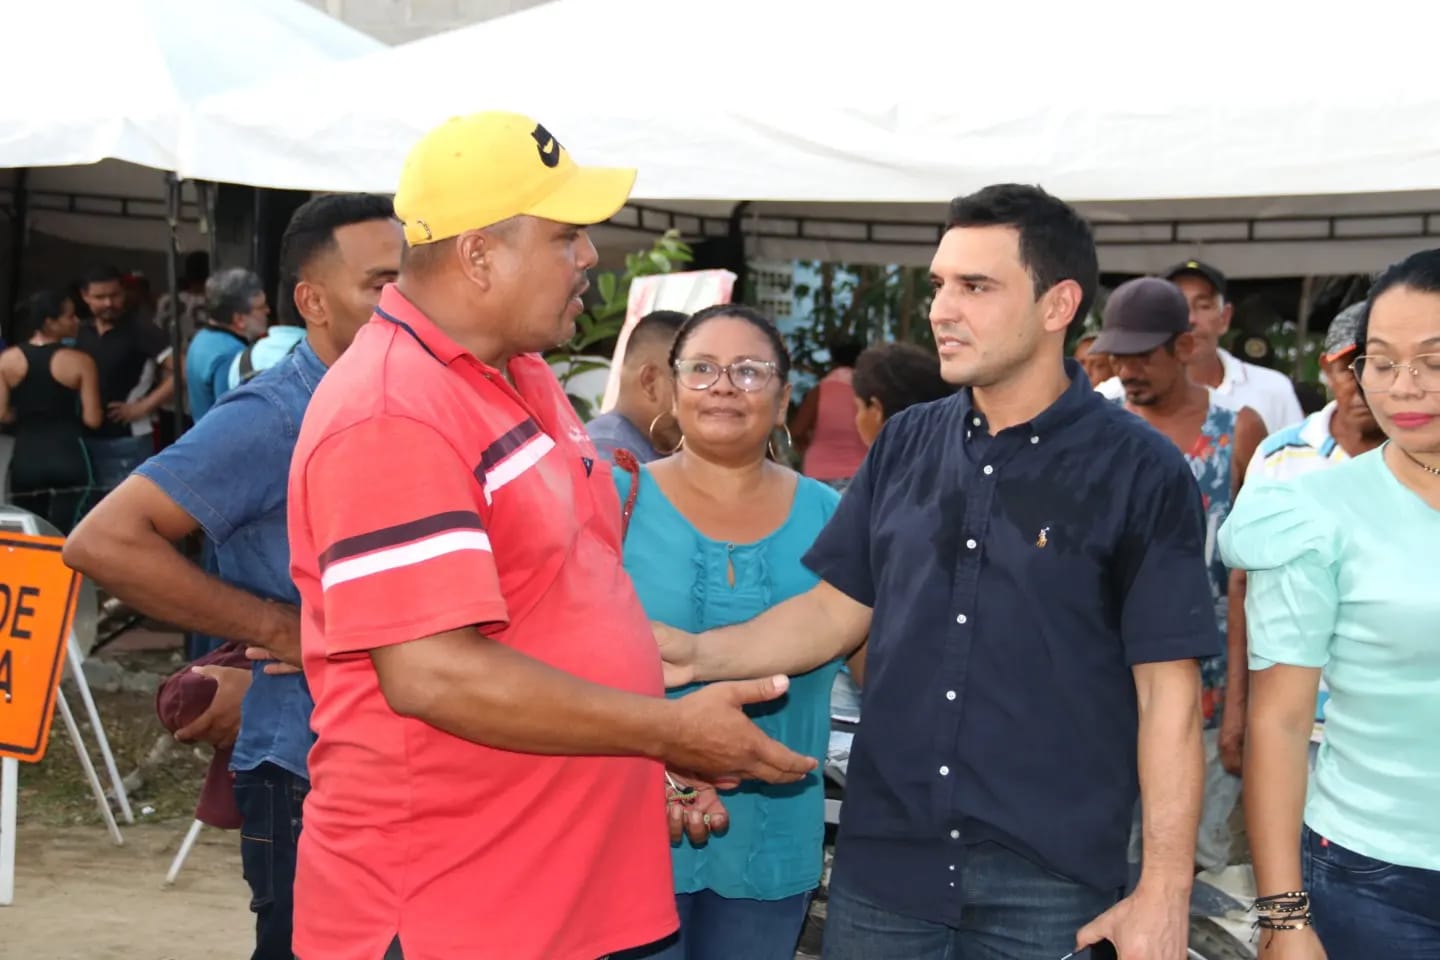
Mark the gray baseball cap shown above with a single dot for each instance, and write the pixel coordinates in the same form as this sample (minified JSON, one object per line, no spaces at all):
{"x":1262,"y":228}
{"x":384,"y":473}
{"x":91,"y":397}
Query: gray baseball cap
{"x":1344,"y":331}
{"x":1140,"y":315}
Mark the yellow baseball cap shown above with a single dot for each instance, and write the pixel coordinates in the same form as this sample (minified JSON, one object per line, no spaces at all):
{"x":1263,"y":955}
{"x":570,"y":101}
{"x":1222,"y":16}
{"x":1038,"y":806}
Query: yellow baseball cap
{"x":471,"y":172}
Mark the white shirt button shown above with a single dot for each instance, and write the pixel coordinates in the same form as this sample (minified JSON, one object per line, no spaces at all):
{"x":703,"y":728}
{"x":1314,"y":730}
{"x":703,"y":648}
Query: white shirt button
{"x":952,"y":883}
{"x":949,"y":694}
{"x":944,"y":771}
{"x":970,"y":544}
{"x":989,"y":470}
{"x":1034,"y":439}
{"x":954,"y":834}
{"x":952,"y":866}
{"x":961,"y":619}
{"x":975,"y":421}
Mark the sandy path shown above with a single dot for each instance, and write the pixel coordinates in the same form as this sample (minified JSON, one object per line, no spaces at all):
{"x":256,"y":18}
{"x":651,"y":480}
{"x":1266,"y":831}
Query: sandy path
{"x":79,"y":897}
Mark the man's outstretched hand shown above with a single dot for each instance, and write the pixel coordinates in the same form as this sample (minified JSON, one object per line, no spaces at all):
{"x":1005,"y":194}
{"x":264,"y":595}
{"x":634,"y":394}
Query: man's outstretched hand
{"x":712,"y":737}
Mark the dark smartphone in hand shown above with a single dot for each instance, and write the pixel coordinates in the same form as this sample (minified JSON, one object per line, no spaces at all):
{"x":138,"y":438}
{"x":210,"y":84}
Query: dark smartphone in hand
{"x":1103,"y":950}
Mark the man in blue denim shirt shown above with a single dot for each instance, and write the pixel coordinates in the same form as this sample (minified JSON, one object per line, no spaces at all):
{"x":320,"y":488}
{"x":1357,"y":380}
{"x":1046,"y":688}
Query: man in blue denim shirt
{"x":228,"y":476}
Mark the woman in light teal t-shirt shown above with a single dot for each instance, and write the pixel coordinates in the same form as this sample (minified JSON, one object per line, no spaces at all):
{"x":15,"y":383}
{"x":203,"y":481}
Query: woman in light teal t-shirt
{"x":716,"y":537}
{"x":1344,"y":579}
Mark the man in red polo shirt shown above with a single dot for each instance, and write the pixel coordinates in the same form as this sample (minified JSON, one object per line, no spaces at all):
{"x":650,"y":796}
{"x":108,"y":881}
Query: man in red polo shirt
{"x":488,"y":696}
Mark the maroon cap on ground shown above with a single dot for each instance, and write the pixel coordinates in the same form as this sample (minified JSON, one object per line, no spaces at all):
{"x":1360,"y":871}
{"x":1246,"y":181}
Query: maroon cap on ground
{"x":182,"y":697}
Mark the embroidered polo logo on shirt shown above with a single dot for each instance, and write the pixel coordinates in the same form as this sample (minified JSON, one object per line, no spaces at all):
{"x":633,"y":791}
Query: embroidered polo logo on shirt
{"x":1043,"y":538}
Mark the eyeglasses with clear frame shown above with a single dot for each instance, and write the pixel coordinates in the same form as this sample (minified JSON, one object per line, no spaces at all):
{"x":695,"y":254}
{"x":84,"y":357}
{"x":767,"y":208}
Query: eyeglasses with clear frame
{"x":749,"y":376}
{"x":1379,"y":374}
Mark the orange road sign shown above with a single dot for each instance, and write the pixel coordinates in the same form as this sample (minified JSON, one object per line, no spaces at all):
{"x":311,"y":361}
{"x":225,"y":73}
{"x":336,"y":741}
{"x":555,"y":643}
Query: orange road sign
{"x":37,"y":605}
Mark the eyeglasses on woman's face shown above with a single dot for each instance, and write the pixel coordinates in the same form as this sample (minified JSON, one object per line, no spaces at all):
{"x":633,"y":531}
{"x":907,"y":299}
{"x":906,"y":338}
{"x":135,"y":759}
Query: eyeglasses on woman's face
{"x":749,"y":376}
{"x":1379,"y":374}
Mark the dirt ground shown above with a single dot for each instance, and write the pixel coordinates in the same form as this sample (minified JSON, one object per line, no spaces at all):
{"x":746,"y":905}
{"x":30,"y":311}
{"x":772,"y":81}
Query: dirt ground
{"x":80,"y":897}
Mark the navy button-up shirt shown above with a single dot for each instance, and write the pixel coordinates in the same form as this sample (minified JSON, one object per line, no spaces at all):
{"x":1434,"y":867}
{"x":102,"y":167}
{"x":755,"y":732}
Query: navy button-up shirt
{"x":1015,"y":579}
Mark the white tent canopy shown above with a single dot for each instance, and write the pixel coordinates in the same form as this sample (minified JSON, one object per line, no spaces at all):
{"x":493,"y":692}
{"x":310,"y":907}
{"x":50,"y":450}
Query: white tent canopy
{"x":88,"y":80}
{"x":96,"y":94}
{"x":1143,"y":114}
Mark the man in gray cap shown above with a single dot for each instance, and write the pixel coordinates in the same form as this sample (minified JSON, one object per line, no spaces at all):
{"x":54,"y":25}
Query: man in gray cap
{"x":1233,"y":382}
{"x":1345,"y":428}
{"x":1147,"y":332}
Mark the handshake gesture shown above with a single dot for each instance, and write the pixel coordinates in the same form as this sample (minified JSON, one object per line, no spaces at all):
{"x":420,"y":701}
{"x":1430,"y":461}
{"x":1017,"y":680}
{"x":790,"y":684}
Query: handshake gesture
{"x":715,"y":745}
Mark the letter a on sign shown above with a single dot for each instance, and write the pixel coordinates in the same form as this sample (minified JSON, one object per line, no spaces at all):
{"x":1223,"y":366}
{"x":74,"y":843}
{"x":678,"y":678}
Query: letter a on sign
{"x":37,"y":604}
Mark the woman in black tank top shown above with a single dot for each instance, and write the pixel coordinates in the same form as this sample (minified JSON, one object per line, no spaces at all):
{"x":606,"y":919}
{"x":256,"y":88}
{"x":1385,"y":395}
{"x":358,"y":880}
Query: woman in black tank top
{"x":50,"y":393}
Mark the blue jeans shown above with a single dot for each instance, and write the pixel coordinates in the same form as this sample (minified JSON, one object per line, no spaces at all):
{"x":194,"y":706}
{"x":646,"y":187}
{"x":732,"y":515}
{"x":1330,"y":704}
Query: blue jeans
{"x":112,"y":459}
{"x":713,"y":927}
{"x":1012,"y":909}
{"x":271,"y":801}
{"x":1366,"y":908}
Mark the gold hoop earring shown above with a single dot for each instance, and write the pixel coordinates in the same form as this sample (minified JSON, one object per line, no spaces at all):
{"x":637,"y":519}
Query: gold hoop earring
{"x":770,"y":444}
{"x":650,"y":435}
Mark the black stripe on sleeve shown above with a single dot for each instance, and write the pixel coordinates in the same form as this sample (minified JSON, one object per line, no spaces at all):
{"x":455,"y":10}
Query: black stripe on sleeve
{"x":509,"y":442}
{"x":400,"y":533}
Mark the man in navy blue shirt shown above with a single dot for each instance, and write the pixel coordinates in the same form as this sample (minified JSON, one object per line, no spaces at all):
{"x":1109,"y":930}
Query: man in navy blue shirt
{"x":1027,"y":561}
{"x":228,"y":476}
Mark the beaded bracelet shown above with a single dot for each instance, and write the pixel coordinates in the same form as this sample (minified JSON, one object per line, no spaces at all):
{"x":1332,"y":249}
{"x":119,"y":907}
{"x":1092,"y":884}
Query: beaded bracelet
{"x":1297,"y":901}
{"x":1293,"y":923}
{"x":1283,"y":911}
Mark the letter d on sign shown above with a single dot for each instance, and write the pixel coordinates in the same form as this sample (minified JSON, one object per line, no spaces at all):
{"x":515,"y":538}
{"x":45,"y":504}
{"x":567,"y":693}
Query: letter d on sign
{"x":37,"y":605}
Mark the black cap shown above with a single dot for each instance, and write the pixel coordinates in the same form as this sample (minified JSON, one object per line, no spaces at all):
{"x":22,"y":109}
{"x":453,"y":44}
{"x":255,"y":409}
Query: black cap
{"x":1141,"y":315}
{"x":1195,"y":268}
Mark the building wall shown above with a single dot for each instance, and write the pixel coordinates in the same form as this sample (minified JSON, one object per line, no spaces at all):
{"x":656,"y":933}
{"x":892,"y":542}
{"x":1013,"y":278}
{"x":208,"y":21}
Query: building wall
{"x":399,"y":21}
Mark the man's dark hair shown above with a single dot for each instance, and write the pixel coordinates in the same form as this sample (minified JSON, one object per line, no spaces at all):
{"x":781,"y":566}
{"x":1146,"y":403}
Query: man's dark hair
{"x":311,"y":232}
{"x":844,"y":352}
{"x":100,"y":273}
{"x":751,"y":316}
{"x":1419,"y":271}
{"x":658,"y":326}
{"x":1055,"y":241}
{"x":899,"y":375}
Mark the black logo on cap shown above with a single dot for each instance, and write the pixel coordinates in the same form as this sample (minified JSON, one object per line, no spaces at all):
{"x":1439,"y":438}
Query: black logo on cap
{"x":548,"y":145}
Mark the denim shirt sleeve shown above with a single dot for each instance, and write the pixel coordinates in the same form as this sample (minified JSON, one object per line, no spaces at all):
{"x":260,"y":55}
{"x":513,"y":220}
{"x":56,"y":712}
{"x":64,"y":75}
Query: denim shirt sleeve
{"x":243,"y":435}
{"x":841,"y":554}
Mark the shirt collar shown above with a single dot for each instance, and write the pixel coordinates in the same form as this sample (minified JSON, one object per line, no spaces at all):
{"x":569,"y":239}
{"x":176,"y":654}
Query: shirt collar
{"x":1234,"y":368}
{"x":309,"y":364}
{"x":1077,"y":398}
{"x":395,"y":308}
{"x":1315,"y":431}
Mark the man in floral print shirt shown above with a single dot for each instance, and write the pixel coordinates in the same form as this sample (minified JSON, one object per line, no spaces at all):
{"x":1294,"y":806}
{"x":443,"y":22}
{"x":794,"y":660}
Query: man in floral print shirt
{"x":1147,"y":334}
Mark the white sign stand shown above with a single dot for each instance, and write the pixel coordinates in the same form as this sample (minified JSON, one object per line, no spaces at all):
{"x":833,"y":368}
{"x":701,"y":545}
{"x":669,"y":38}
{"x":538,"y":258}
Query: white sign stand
{"x":22,"y":521}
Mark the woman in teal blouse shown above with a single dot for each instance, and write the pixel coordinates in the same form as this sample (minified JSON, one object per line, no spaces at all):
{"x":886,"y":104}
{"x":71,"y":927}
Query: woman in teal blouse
{"x":715,"y":537}
{"x":1344,"y":579}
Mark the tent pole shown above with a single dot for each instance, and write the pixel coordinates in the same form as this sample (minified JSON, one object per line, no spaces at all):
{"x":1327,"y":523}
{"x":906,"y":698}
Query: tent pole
{"x":177,"y":346}
{"x":741,"y":265}
{"x":17,"y":250}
